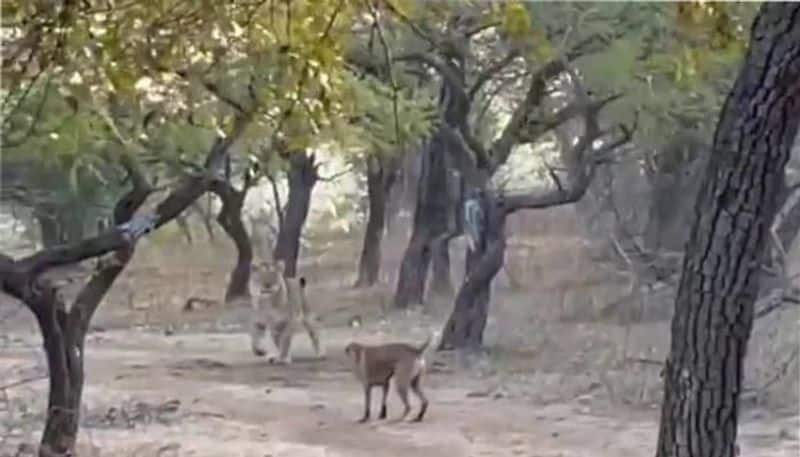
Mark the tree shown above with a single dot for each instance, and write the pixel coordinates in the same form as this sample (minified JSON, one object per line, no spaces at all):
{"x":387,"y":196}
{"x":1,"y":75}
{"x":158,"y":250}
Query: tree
{"x":230,"y":219}
{"x":302,"y":175}
{"x":63,"y":327}
{"x":735,"y":208}
{"x":481,"y":53}
{"x":485,"y":213}
{"x":457,"y":162}
{"x":394,"y":118}
{"x":381,"y":176}
{"x":617,"y":49}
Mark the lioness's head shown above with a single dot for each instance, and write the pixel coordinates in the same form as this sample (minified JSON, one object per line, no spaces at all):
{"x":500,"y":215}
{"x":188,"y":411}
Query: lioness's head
{"x":267,"y":276}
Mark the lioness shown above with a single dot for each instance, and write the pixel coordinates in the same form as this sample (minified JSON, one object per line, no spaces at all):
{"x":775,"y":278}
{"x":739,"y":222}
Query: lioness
{"x":280,"y":307}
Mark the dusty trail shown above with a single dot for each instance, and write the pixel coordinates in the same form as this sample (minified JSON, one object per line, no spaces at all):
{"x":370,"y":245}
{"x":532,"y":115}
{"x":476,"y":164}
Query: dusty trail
{"x":231,"y":404}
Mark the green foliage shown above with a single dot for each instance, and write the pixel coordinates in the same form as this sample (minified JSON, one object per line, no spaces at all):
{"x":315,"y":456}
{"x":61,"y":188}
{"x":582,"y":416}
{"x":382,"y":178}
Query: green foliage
{"x":375,"y":129}
{"x":672,"y":61}
{"x":279,"y":61}
{"x":86,"y":81}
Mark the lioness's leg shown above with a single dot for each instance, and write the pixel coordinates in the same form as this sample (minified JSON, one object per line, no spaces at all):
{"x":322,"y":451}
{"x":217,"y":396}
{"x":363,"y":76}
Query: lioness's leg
{"x":313,"y":334}
{"x":257,"y":331}
{"x":285,"y":341}
{"x":276,"y":331}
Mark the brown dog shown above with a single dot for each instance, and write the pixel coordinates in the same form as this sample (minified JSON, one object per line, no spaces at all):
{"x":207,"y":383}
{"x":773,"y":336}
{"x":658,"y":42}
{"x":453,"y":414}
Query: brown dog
{"x":376,"y":365}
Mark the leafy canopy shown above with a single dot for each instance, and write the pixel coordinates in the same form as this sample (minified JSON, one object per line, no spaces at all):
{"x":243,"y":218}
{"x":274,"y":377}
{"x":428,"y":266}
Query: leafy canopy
{"x":161,"y":78}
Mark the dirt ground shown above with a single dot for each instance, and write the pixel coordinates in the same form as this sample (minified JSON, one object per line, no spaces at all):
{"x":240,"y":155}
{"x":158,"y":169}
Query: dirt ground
{"x":165,"y":383}
{"x":205,"y":394}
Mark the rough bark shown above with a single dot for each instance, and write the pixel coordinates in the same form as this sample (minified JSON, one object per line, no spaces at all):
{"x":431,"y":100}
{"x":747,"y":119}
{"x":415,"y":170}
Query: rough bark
{"x":302,"y":176}
{"x":464,"y":328}
{"x":230,"y":219}
{"x":381,"y":176}
{"x":735,"y":207}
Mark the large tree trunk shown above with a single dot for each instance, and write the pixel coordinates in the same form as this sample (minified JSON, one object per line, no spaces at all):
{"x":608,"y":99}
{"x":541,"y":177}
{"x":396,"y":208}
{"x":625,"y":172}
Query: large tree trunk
{"x":464,"y":328}
{"x":430,"y":222}
{"x":302,"y":176}
{"x":381,"y":176}
{"x":230,"y":219}
{"x":735,"y":207}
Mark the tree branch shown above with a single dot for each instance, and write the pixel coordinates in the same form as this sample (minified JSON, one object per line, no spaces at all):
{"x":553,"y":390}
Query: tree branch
{"x":501,"y":148}
{"x":445,"y":71}
{"x":582,"y":170}
{"x":335,"y":176}
{"x":125,"y":234}
{"x":490,"y":71}
{"x":535,"y":128}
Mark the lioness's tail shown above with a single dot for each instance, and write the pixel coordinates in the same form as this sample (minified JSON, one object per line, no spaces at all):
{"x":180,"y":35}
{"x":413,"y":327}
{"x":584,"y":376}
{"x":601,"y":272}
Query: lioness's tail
{"x":426,"y":346}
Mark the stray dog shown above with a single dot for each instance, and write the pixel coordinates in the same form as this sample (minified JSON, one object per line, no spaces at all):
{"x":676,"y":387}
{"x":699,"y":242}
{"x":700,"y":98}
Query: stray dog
{"x":375,"y":365}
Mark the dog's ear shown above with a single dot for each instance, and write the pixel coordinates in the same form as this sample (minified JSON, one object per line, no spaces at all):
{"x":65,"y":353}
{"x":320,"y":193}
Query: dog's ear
{"x":302,"y":281}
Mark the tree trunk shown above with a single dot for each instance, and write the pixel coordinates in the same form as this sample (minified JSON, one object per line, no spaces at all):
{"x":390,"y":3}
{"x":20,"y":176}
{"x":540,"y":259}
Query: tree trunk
{"x":464,"y":328}
{"x":230,"y":219}
{"x":735,"y":207}
{"x":302,"y":176}
{"x":64,"y":354}
{"x":396,"y":196}
{"x":64,"y":333}
{"x":413,"y":269}
{"x":378,"y":188}
{"x":441,"y":282}
{"x":64,"y":330}
{"x":430,"y":222}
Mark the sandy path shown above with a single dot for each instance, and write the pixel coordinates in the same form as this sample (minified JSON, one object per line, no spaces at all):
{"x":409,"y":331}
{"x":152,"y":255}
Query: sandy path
{"x":232,"y":404}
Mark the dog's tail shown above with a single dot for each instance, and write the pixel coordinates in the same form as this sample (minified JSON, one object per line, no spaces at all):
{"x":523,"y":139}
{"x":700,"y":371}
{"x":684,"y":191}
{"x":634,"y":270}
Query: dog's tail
{"x":426,"y":346}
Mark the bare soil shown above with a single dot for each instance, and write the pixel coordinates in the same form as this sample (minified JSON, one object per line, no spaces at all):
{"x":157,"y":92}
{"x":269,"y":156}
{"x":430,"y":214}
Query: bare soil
{"x":205,"y":394}
{"x":161,"y":382}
